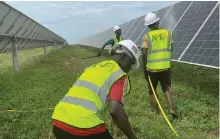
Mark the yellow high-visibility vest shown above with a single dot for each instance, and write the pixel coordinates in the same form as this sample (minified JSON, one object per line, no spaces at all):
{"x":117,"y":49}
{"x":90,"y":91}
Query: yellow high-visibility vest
{"x":159,"y":49}
{"x":83,"y":105}
{"x":116,"y":40}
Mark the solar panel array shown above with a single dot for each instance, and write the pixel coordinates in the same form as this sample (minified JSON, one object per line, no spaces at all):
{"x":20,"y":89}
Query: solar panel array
{"x":195,"y":27}
{"x":28,"y":32}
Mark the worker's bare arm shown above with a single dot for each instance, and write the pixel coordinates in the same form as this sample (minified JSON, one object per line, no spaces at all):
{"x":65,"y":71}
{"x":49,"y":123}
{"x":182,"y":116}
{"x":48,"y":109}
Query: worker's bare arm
{"x":144,"y":53}
{"x":103,"y":47}
{"x":120,"y":118}
{"x":144,"y":58}
{"x":99,"y":53}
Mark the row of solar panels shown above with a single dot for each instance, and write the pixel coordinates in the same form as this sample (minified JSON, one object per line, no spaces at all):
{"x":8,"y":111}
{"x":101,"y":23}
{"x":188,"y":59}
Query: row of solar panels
{"x":195,"y":27}
{"x":29,"y":33}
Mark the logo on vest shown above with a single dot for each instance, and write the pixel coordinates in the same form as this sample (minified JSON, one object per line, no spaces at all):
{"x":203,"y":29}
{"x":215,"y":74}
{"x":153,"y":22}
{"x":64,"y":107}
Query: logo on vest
{"x":160,"y":36}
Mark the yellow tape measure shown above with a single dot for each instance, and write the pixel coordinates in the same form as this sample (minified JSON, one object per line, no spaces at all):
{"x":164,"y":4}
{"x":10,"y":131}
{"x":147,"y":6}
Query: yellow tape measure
{"x":20,"y":111}
{"x":170,"y":125}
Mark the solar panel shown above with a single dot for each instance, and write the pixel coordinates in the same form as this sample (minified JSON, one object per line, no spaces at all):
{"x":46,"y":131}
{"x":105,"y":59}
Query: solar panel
{"x":189,"y":25}
{"x":205,"y":47}
{"x":174,"y":15}
{"x":14,"y":22}
{"x":138,"y":30}
{"x":160,"y":13}
{"x":195,"y":27}
{"x":105,"y":35}
{"x":95,"y":39}
{"x":3,"y":42}
{"x":108,"y":34}
{"x":127,"y":29}
{"x":134,"y":28}
{"x":18,"y":32}
{"x":111,"y":34}
{"x":27,"y":28}
{"x":123,"y":28}
{"x":99,"y":38}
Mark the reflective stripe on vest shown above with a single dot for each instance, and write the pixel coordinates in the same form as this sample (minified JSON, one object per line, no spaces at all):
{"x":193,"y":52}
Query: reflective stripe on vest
{"x":159,"y":60}
{"x":158,"y":56}
{"x":101,"y":92}
{"x":82,"y":102}
{"x":85,"y":109}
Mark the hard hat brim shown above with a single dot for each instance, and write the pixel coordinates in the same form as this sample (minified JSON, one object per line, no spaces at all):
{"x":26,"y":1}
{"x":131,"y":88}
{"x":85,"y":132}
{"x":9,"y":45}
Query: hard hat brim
{"x":136,"y":65}
{"x":147,"y":24}
{"x":116,"y":28}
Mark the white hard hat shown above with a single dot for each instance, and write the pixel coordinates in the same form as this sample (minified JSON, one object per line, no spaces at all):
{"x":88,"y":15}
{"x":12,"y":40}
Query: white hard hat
{"x":150,"y":18}
{"x":116,"y":28}
{"x":131,"y":47}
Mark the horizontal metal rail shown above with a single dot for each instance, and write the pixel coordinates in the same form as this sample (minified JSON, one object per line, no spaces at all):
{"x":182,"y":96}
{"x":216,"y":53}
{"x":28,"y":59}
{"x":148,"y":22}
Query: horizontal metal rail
{"x":27,"y":38}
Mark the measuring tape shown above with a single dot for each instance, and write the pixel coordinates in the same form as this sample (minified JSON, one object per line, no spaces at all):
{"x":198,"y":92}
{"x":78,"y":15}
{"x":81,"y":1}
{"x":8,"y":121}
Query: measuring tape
{"x":20,"y":111}
{"x":164,"y":115}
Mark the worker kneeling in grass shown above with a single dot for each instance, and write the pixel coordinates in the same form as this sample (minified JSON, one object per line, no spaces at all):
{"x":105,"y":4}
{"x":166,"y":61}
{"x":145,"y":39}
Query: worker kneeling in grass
{"x":78,"y":115}
{"x":157,"y":48}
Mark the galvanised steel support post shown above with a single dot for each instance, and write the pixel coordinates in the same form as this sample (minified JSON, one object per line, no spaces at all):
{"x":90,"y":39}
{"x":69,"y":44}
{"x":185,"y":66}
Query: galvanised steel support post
{"x":55,"y":46}
{"x":14,"y":54}
{"x":45,"y":48}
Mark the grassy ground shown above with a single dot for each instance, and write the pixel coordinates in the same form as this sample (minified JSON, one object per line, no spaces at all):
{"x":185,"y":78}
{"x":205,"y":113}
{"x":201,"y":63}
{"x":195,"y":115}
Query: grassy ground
{"x":44,"y":80}
{"x":25,"y":58}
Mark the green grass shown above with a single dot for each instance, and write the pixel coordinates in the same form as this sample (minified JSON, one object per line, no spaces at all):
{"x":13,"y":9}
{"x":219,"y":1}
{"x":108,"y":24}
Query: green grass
{"x":25,"y":58}
{"x":43,"y":81}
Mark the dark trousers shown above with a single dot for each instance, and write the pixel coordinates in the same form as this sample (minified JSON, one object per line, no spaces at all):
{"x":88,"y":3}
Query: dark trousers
{"x":163,"y":77}
{"x":61,"y":134}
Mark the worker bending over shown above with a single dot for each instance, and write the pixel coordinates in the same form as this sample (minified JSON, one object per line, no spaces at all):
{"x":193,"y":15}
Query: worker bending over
{"x":156,"y":54}
{"x":117,"y":38}
{"x":79,"y":114}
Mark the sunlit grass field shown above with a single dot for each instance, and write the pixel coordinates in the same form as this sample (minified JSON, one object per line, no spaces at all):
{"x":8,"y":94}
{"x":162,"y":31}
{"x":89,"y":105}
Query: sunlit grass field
{"x":44,"y":80}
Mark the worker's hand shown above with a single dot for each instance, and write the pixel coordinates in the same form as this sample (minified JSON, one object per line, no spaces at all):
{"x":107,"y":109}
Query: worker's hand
{"x":120,"y":118}
{"x":99,"y":54}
